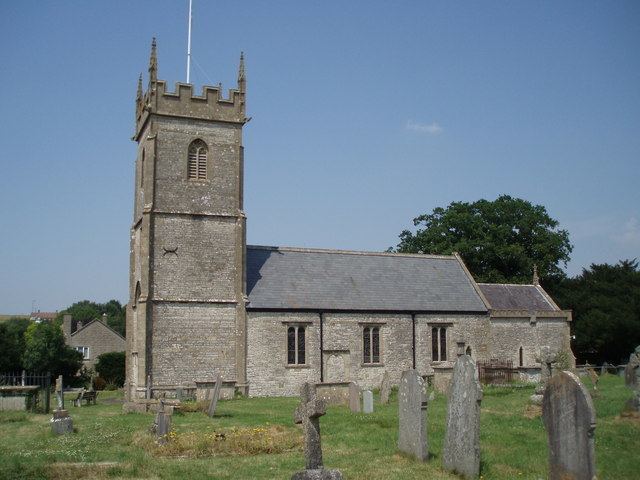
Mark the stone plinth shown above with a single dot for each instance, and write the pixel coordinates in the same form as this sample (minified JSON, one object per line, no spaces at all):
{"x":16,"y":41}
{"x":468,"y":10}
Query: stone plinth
{"x":61,"y":422}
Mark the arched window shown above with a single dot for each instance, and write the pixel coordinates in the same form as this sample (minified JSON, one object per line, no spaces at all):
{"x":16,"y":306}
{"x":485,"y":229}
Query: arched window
{"x":521,"y":357}
{"x":371,"y":345}
{"x":142,"y":169}
{"x":197,"y":165}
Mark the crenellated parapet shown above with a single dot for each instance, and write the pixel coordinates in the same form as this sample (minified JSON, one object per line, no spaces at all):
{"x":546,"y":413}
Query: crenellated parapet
{"x":210,"y":105}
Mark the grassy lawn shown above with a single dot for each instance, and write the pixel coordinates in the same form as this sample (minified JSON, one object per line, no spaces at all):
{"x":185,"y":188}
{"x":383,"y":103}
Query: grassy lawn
{"x":109,"y":444}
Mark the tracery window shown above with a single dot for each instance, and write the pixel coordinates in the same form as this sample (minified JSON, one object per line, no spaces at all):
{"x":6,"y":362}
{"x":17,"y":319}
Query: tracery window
{"x":296,"y":345}
{"x":371,"y":345}
{"x":197,"y":164}
{"x":438,"y":344}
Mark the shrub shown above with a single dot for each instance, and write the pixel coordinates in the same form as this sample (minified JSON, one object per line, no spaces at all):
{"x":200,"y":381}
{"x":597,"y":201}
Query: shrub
{"x":99,"y":383}
{"x":111,"y":367}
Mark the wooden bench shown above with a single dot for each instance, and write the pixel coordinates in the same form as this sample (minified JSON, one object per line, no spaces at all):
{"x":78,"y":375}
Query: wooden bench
{"x":88,"y":396}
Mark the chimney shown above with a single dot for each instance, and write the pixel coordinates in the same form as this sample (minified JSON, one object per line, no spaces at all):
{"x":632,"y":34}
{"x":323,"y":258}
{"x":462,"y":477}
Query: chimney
{"x":66,"y":326}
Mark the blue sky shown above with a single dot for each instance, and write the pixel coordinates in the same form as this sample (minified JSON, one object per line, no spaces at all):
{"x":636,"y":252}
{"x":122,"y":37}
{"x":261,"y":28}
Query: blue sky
{"x":365,"y":115}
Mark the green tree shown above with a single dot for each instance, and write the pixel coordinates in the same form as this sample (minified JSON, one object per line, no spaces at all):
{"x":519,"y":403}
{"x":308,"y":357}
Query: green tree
{"x":87,"y":310}
{"x":46,"y":351}
{"x":605,"y":300}
{"x":111,"y":367}
{"x":499,"y":241}
{"x":12,"y":343}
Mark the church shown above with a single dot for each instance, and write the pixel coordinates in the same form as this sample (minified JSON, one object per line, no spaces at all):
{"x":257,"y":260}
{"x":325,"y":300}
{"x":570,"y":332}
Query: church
{"x":267,"y":319}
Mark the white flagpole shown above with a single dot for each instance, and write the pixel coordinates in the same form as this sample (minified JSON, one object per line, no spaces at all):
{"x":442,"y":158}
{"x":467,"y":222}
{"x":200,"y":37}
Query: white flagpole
{"x":189,"y":46}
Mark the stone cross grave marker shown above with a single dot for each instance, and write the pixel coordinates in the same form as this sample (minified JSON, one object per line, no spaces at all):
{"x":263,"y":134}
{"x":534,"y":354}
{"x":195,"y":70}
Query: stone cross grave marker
{"x":461,"y":451}
{"x":216,"y":395}
{"x":308,"y":414}
{"x":570,"y":421}
{"x":367,"y":401}
{"x":412,"y":415}
{"x":61,"y":422}
{"x":354,"y":397}
{"x":385,"y":388}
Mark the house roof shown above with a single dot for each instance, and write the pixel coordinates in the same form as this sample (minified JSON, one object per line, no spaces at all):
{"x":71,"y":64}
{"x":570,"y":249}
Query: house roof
{"x":97,"y":322}
{"x":517,"y":297}
{"x":296,"y":278}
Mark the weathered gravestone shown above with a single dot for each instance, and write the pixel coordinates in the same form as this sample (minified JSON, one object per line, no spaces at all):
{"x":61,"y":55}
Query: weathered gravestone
{"x":367,"y":401}
{"x":385,"y":388}
{"x":162,"y":424}
{"x":354,"y":397}
{"x":461,"y":451}
{"x":412,"y":415}
{"x":632,"y":370}
{"x":215,"y":395}
{"x":61,"y":422}
{"x":570,"y":421}
{"x":308,"y":413}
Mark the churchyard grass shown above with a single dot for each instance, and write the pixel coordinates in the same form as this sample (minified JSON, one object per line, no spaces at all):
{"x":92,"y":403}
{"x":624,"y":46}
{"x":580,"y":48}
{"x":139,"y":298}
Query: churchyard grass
{"x":109,"y":444}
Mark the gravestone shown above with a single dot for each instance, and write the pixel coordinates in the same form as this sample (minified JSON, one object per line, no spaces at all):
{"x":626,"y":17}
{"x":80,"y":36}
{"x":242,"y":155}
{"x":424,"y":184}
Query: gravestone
{"x":162,"y":424}
{"x":412,"y":415}
{"x":367,"y":401}
{"x":632,"y":370}
{"x":547,"y":359}
{"x":215,"y":396}
{"x":61,"y":422}
{"x":308,"y":413}
{"x":385,"y":388}
{"x":60,"y":393}
{"x":570,"y":421}
{"x":461,"y":451}
{"x":354,"y":397}
{"x":593,"y":376}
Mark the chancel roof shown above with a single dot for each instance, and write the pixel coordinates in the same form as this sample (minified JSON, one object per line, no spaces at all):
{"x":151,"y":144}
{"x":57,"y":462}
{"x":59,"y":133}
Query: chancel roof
{"x":516,"y":297}
{"x":295,"y":278}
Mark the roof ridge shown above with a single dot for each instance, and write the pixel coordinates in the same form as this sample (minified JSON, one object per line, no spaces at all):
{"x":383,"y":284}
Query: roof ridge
{"x":509,"y":284}
{"x":350,"y":252}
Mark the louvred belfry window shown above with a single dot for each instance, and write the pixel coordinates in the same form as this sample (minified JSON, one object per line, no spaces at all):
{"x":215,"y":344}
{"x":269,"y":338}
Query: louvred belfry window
{"x":197,"y":168}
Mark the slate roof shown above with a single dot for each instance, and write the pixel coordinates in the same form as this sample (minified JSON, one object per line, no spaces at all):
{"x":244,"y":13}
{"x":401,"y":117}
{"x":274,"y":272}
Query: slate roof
{"x":293,"y":278}
{"x":516,"y":297}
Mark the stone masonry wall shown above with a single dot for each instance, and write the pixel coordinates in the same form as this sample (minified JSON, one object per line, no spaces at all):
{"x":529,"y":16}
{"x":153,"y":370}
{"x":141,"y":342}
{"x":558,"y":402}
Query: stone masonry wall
{"x":267,"y":369}
{"x":192,"y":341}
{"x":174,"y":192}
{"x":203,"y":268}
{"x":509,"y":334}
{"x":343,"y":332}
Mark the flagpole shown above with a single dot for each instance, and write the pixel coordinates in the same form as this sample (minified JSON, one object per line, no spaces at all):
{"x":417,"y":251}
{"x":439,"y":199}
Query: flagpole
{"x":189,"y":46}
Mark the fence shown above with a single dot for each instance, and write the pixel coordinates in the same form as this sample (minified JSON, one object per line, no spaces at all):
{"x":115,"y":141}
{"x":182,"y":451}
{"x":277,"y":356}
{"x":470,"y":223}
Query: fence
{"x":24,"y":379}
{"x":495,"y":371}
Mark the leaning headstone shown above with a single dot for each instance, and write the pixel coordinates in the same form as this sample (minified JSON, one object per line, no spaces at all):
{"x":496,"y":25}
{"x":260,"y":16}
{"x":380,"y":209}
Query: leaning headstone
{"x":412,"y":415}
{"x":354,"y":397}
{"x":385,"y":388}
{"x":570,"y":420}
{"x":462,"y":439}
{"x":367,"y":401}
{"x":308,"y":413}
{"x":215,"y":396}
{"x":593,"y":376}
{"x":61,"y":422}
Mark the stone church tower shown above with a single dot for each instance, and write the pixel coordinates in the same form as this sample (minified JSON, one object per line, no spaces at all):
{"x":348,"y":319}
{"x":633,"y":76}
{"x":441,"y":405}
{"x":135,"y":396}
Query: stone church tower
{"x":186,"y":315}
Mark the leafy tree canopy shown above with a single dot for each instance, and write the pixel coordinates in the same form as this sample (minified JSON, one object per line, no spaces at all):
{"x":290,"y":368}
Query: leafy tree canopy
{"x":86,"y":310}
{"x":605,"y":300}
{"x":12,"y":343}
{"x":111,"y":367}
{"x":46,"y":351}
{"x":499,"y":241}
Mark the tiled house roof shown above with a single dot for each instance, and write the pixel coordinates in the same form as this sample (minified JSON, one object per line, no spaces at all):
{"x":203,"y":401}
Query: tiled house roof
{"x":294,"y":278}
